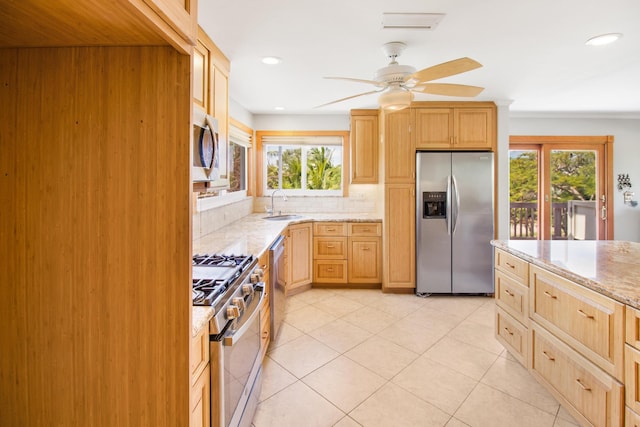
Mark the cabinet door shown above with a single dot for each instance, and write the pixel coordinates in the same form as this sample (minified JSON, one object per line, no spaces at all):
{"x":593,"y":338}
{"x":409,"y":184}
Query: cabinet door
{"x":474,"y":128}
{"x":200,"y":400}
{"x":400,"y":236}
{"x":434,"y":128}
{"x":300,"y":250}
{"x":201,"y":76}
{"x":400,"y":153}
{"x":364,"y":148}
{"x":365,"y":254}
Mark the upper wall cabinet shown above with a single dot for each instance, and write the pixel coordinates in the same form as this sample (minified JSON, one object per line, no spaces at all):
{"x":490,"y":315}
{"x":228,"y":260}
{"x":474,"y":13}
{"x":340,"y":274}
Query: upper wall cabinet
{"x":445,"y":127}
{"x":211,"y":84}
{"x":181,"y":15}
{"x":400,"y":153}
{"x":364,"y":146}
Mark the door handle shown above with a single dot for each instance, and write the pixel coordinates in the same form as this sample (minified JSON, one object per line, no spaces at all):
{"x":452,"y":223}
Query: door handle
{"x":603,"y":213}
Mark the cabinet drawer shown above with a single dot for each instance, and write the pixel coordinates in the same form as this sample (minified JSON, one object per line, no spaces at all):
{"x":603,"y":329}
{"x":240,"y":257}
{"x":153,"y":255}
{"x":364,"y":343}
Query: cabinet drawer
{"x":329,"y":229}
{"x":512,"y":265}
{"x":589,"y":322}
{"x":330,"y":247}
{"x":265,"y":329}
{"x":512,"y":296}
{"x":200,"y":400}
{"x":632,"y":330}
{"x":631,"y":419}
{"x":365,"y":229}
{"x":595,"y":396}
{"x":330,"y":271}
{"x":512,"y":335}
{"x":199,"y":355}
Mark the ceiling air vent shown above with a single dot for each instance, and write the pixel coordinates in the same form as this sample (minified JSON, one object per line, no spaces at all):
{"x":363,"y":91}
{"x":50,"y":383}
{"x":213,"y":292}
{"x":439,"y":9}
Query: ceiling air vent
{"x":411,"y":21}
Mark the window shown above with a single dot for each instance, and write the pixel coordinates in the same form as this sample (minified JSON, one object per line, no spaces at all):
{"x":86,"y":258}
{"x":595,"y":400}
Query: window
{"x":304,"y":163}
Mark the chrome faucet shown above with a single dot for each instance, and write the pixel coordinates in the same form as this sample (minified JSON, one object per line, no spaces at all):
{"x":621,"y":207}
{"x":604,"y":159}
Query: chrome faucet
{"x":284,"y":197}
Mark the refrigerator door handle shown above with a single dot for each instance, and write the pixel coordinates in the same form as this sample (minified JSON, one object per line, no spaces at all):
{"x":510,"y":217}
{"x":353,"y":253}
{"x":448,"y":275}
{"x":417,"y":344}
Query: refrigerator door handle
{"x":448,"y":216}
{"x":454,"y":187}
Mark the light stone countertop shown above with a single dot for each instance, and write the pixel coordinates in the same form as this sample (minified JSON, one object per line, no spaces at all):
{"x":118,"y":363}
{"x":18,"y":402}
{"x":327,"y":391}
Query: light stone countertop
{"x":611,"y":268}
{"x":252,"y":235}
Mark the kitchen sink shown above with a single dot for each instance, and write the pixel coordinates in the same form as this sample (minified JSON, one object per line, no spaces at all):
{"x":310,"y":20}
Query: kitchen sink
{"x":281,"y":217}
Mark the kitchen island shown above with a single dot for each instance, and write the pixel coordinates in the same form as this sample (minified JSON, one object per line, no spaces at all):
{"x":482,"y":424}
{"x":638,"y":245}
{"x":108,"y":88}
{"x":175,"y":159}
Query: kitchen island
{"x":569,"y":312}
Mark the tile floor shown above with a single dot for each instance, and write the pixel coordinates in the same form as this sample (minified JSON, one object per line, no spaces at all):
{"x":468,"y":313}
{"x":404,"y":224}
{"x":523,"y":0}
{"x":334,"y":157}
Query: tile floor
{"x":363,"y":358}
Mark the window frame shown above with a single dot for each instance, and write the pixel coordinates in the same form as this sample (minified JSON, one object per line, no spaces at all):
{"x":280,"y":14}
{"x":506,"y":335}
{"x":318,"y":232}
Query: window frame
{"x":261,"y":166}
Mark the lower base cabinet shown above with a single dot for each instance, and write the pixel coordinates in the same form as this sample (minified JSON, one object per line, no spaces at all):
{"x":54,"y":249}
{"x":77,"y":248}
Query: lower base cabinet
{"x":512,"y":335}
{"x":200,"y":394}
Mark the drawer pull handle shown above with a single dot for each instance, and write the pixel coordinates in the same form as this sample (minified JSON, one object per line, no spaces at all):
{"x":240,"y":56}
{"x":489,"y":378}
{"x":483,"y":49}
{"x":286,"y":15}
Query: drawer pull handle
{"x":583,"y":314}
{"x":508,"y":331}
{"x":584,"y":387}
{"x":550,"y":295}
{"x":330,"y":270}
{"x":548,"y":356}
{"x":510,"y":265}
{"x":331,"y":229}
{"x":366,"y":230}
{"x":265,"y":334}
{"x":366,"y":248}
{"x":508,"y":292}
{"x":330,"y":246}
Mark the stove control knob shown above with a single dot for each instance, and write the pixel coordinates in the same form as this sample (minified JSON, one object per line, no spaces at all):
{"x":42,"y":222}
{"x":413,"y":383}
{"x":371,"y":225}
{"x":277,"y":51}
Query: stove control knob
{"x":259,"y":271}
{"x":239,"y":302}
{"x":256,"y":276}
{"x":247,"y":290}
{"x":233,"y":312}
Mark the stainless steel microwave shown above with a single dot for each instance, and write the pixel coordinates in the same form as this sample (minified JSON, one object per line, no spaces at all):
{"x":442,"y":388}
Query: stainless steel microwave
{"x":206,"y":153}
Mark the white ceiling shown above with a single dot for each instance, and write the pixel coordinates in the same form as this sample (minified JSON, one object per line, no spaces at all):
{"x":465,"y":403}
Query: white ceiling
{"x":533,"y":52}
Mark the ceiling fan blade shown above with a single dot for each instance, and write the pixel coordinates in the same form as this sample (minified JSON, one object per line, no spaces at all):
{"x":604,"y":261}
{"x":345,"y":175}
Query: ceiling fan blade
{"x":349,"y":79}
{"x":348,"y":97}
{"x":445,"y":69}
{"x":448,"y":89}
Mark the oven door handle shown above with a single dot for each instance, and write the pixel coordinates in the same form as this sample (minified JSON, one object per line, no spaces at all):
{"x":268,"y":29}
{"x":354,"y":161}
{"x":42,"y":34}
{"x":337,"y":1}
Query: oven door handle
{"x":229,"y":340}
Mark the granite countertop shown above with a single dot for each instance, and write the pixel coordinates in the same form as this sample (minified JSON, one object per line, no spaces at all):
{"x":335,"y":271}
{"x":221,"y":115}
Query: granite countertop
{"x":611,"y":268}
{"x":252,"y":235}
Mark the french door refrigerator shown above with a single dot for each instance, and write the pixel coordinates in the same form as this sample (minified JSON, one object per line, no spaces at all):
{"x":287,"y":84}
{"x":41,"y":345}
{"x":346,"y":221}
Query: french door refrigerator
{"x":454,"y":223}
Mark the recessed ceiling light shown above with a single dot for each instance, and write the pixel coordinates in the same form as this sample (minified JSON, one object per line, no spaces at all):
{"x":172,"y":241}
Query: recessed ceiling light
{"x":271,"y":60}
{"x":603,"y":39}
{"x":279,"y":108}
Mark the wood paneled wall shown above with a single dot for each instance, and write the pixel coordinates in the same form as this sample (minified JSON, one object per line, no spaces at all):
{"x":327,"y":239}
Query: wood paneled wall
{"x":95,"y":236}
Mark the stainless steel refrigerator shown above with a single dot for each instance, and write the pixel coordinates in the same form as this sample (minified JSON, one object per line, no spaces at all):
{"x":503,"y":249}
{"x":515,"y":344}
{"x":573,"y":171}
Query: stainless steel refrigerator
{"x":454,"y":223}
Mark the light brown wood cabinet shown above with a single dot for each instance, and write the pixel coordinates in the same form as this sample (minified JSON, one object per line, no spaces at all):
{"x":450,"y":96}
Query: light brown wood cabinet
{"x":364,"y":146}
{"x":298,"y":257}
{"x":330,"y":253}
{"x":399,"y":148}
{"x":365,"y":253}
{"x":181,"y":15}
{"x":511,"y":280}
{"x":455,"y":128}
{"x":632,"y":367}
{"x":200,"y":379}
{"x":400,"y":231}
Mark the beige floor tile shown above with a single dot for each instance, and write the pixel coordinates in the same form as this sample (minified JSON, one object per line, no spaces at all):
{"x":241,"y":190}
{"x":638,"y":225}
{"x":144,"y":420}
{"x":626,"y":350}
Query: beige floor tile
{"x":487,"y":407}
{"x":399,"y":305}
{"x":370,"y":319}
{"x":285,"y":334}
{"x":566,"y":416}
{"x":514,"y":379}
{"x":312,"y":295}
{"x":477,"y":335}
{"x":417,"y":338}
{"x":393,"y":406}
{"x":485,"y":314}
{"x":347,"y":422}
{"x":435,"y":383}
{"x":365,"y":296}
{"x":427,"y":316}
{"x":296,"y":406}
{"x":337,"y":305}
{"x":381,"y":356}
{"x":564,"y":423}
{"x":293,"y":304}
{"x":344,"y":383}
{"x":460,"y":305}
{"x":340,"y":335}
{"x":274,"y":378}
{"x":454,"y":422}
{"x":464,"y":358}
{"x":303,"y":355}
{"x":308,"y":318}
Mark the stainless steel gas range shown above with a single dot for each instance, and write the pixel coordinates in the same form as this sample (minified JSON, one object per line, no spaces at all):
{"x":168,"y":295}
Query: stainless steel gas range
{"x":232,"y":285}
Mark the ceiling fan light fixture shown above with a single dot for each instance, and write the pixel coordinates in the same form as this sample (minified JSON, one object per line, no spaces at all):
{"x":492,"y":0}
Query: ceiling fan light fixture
{"x":395,"y":99}
{"x":603,"y":39}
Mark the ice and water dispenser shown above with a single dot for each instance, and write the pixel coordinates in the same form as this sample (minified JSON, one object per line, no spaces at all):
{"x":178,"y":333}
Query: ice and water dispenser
{"x":434,"y":204}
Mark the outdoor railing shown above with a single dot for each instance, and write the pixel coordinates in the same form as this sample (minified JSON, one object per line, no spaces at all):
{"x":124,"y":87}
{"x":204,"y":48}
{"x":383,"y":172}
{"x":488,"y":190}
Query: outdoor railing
{"x":523,"y":220}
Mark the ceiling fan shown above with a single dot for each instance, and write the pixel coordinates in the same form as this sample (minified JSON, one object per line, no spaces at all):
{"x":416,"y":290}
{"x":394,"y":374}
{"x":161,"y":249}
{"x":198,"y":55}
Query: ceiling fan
{"x":397,"y":83}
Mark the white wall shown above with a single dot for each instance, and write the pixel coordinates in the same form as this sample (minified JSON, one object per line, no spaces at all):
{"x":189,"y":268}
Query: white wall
{"x":301,"y":122}
{"x":239,"y":113}
{"x":626,"y":154}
